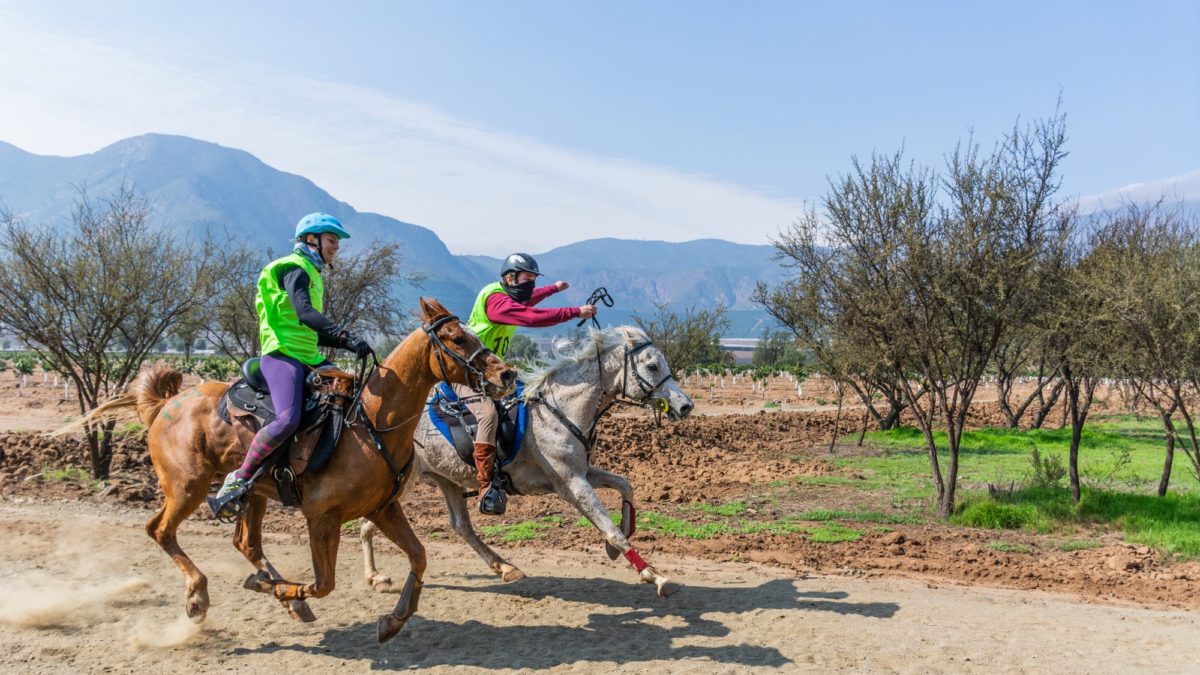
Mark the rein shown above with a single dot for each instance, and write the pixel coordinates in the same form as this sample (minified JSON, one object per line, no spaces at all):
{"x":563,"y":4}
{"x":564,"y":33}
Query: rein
{"x":368,"y":367}
{"x":589,"y":440}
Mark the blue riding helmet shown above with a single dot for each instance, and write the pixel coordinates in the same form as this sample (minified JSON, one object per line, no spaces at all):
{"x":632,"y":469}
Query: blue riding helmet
{"x":317,"y":223}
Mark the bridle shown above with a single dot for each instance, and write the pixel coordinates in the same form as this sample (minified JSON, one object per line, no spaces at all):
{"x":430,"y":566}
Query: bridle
{"x":643,"y":384}
{"x":365,"y":368}
{"x":589,"y":439}
{"x":440,"y":350}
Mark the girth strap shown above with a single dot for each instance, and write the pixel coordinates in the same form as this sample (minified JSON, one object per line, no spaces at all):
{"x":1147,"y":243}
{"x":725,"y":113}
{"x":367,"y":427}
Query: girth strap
{"x":587,"y":441}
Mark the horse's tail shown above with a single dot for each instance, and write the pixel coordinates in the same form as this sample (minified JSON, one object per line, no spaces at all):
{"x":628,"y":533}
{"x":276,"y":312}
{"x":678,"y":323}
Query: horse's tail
{"x":152,"y":389}
{"x":154,"y":386}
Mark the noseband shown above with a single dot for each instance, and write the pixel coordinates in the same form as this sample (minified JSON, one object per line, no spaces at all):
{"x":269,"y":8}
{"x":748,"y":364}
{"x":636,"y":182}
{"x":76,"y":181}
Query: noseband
{"x":643,"y":383}
{"x":440,"y":349}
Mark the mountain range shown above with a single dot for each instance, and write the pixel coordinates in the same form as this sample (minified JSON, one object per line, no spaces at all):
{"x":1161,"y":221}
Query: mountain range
{"x":203,"y":190}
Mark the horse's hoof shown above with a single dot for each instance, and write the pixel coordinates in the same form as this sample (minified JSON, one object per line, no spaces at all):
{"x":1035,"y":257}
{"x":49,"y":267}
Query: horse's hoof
{"x":259,"y":582}
{"x":665,"y":587}
{"x":381,"y":584}
{"x":389,"y":626}
{"x":197,"y":607}
{"x":509,"y":574}
{"x":300,"y":611}
{"x":612,"y":551}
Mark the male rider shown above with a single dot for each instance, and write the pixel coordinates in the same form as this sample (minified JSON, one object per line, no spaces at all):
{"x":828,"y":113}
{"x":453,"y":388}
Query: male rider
{"x":499,"y":309}
{"x":291,"y":328}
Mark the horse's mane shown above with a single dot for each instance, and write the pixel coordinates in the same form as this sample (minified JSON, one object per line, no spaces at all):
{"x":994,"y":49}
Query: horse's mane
{"x":569,"y":354}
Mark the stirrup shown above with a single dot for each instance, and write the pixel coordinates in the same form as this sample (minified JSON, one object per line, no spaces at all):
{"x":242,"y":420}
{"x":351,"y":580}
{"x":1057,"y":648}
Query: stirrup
{"x":494,"y":501}
{"x":227,"y":509}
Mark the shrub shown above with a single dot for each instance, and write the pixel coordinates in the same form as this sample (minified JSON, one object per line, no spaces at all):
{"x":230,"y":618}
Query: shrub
{"x":1048,"y":471}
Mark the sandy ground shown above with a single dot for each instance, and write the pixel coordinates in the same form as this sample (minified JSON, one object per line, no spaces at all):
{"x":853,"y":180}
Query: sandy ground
{"x":83,"y":590}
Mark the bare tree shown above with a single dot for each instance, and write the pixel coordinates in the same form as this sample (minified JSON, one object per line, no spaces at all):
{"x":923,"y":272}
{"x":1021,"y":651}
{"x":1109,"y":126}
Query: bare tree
{"x":232,"y":321}
{"x":95,"y":299}
{"x":921,"y":290}
{"x":361,"y":291}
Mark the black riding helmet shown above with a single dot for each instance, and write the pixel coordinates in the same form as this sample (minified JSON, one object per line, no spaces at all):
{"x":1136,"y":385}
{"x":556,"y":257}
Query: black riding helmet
{"x":519,"y":262}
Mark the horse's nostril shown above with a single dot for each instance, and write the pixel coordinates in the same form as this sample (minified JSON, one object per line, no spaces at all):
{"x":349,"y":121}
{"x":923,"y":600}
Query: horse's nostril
{"x":685,"y":409}
{"x":508,"y":377}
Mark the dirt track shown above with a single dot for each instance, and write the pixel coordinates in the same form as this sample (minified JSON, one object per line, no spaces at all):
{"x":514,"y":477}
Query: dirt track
{"x":85,"y":590}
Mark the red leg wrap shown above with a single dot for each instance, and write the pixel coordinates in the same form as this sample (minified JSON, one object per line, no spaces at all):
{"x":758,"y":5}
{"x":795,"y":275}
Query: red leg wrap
{"x":636,"y":560}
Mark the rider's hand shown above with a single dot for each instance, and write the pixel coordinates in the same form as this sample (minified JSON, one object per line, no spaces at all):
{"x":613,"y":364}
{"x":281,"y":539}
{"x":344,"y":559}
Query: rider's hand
{"x":587,"y":311}
{"x":359,"y":346}
{"x":561,"y":285}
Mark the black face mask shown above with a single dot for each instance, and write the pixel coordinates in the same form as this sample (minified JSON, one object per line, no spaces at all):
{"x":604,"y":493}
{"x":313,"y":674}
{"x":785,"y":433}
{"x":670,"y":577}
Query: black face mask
{"x":520,"y":292}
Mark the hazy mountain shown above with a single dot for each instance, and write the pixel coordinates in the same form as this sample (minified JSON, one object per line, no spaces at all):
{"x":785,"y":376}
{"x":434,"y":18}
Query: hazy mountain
{"x":203,"y":190}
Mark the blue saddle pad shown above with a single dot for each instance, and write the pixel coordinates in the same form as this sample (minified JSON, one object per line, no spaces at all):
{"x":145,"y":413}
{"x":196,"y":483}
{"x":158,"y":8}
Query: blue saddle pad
{"x":458,"y":424}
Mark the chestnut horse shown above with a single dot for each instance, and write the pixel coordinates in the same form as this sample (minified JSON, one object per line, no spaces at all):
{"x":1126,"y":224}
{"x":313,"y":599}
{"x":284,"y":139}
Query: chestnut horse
{"x":191,"y":447}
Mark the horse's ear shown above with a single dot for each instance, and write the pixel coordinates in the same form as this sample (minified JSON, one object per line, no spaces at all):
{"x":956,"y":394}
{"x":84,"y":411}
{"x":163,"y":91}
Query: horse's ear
{"x":432,"y":310}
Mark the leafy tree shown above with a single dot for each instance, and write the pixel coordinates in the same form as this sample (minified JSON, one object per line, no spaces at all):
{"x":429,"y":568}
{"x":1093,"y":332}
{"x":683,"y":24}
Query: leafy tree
{"x":778,"y":350}
{"x":523,"y":348}
{"x":687,"y":339}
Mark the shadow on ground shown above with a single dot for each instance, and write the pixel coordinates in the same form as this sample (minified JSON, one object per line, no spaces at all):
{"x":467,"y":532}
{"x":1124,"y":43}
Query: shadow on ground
{"x":634,"y":635}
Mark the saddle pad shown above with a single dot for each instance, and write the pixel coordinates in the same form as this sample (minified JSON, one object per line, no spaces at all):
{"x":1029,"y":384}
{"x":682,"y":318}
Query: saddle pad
{"x":458,"y":425}
{"x":242,"y":397}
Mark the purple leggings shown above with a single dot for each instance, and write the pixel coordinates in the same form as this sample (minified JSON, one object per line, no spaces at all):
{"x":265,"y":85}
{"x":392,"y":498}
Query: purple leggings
{"x":285,"y":381}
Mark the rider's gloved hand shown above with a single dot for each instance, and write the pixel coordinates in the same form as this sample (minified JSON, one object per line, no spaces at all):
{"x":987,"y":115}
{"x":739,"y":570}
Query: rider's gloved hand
{"x":359,"y":346}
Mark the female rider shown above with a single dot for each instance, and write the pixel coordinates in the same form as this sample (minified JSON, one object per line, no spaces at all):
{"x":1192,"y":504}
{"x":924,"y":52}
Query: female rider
{"x":291,"y":328}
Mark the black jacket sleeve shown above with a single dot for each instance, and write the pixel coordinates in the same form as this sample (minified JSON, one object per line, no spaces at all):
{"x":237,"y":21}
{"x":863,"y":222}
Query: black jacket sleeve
{"x":294,"y":280}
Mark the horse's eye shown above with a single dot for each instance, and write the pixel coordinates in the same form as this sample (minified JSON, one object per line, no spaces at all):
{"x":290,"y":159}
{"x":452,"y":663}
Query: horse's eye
{"x":653,"y":367}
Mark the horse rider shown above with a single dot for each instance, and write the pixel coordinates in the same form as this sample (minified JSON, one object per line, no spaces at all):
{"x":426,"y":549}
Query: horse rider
{"x":291,"y":328}
{"x":499,"y":309}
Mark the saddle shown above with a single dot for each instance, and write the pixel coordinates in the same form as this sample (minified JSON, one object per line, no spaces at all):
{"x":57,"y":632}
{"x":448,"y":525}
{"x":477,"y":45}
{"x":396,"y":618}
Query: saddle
{"x":458,"y":424}
{"x":247,"y":405}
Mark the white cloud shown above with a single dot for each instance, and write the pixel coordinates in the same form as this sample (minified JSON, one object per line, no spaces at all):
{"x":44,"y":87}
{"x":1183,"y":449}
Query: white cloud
{"x":1176,"y":188}
{"x":481,"y":190}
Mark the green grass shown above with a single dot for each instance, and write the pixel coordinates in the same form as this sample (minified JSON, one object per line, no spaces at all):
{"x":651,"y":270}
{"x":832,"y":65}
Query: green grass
{"x":522,"y":531}
{"x":833,"y":533}
{"x":1078,"y":545}
{"x":129,"y":429}
{"x":1120,"y":465}
{"x":828,"y":481}
{"x":1170,"y":524}
{"x":354,"y":526}
{"x":59,"y":474}
{"x":1009,"y":548}
{"x":726,"y":510}
{"x":771,"y":404}
{"x":1001,"y":456}
{"x":855,"y":516}
{"x":828,"y":532}
{"x":992,"y":515}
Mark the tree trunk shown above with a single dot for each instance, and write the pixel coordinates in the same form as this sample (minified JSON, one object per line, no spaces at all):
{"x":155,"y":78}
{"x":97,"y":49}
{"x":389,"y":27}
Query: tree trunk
{"x":862,"y":435}
{"x":1077,"y":408}
{"x":100,"y":450}
{"x":1046,"y":405}
{"x":1004,"y":384}
{"x":837,"y":420}
{"x":1169,"y":427}
{"x":1165,"y":481}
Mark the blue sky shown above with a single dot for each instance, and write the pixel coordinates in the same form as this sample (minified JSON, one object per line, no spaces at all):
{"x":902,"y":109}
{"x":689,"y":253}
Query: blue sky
{"x":508,"y":124}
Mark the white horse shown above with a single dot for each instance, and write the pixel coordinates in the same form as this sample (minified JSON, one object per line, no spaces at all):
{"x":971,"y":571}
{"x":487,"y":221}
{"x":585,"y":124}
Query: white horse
{"x":565,"y":400}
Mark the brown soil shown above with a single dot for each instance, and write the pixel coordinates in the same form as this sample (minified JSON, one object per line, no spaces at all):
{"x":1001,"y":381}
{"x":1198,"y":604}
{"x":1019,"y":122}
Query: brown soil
{"x":711,"y":459}
{"x":83,"y":590}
